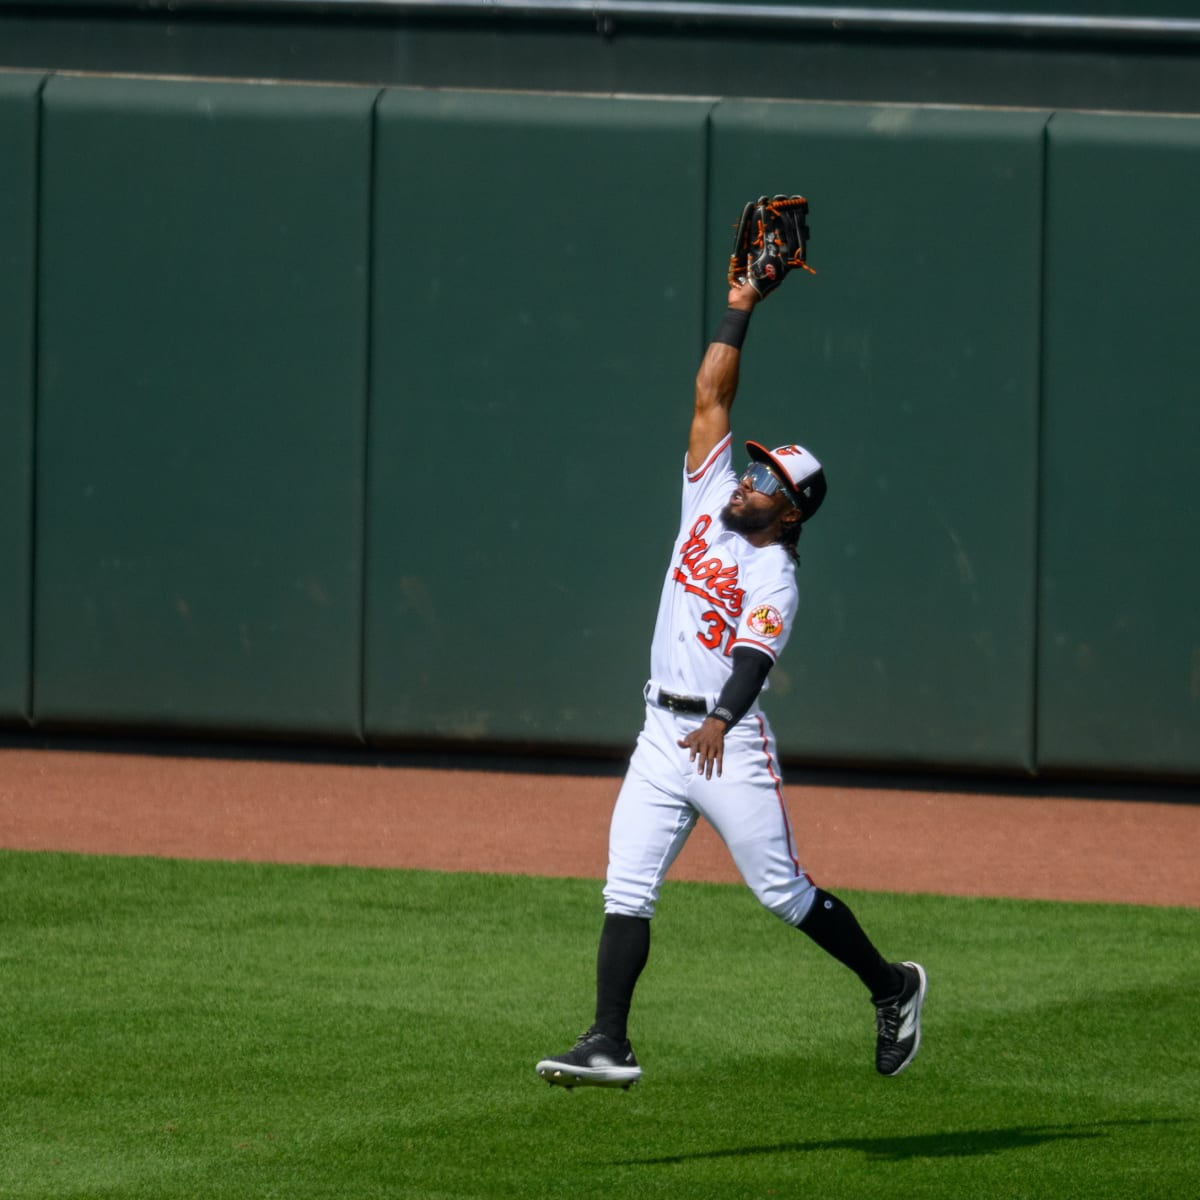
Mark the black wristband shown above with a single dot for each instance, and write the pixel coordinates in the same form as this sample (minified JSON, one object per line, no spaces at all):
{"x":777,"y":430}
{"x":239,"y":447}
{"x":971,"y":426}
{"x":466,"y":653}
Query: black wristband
{"x":733,"y":326}
{"x":722,"y":714}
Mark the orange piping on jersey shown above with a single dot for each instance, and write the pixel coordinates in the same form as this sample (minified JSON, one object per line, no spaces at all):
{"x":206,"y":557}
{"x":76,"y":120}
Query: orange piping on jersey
{"x":787,"y":825}
{"x":712,"y":457}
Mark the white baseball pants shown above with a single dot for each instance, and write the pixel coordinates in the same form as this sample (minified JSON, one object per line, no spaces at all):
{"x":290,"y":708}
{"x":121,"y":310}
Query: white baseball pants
{"x":663,"y":796}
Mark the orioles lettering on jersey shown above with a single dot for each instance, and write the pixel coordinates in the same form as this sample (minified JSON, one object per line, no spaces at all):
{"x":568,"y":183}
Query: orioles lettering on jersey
{"x":709,"y":577}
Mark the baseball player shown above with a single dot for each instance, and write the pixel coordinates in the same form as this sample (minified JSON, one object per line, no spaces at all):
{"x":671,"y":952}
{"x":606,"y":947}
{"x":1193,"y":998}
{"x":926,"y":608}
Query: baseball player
{"x":727,"y":609}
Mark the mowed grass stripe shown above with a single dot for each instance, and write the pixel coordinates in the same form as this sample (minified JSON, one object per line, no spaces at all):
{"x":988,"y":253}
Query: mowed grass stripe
{"x":187,"y":1029}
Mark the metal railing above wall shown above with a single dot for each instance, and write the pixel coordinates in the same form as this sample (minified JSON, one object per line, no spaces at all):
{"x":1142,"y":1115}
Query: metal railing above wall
{"x":717,"y":13}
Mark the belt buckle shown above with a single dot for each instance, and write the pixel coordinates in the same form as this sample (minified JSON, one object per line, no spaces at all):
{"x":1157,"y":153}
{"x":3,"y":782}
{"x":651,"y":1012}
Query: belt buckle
{"x":688,"y":705}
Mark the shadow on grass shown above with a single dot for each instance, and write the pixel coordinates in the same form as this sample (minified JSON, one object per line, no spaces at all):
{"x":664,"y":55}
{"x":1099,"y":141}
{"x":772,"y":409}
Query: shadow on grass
{"x":964,"y":1143}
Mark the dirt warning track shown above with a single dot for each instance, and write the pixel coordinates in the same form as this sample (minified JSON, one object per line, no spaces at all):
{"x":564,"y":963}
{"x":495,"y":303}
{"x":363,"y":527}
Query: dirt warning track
{"x":1136,"y":849}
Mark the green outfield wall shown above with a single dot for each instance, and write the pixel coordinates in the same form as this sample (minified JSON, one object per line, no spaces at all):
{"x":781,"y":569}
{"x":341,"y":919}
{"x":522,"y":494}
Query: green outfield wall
{"x":202,"y":406}
{"x":530,"y":390}
{"x":1120,"y":565}
{"x":358,"y":415}
{"x":909,"y":365}
{"x":19,"y":113}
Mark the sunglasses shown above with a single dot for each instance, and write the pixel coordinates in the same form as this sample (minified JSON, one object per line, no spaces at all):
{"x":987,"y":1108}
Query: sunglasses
{"x":762,"y":479}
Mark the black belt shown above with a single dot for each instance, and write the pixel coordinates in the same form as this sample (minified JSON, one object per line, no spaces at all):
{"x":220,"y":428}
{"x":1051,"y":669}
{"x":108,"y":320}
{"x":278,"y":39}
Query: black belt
{"x":695,"y":705}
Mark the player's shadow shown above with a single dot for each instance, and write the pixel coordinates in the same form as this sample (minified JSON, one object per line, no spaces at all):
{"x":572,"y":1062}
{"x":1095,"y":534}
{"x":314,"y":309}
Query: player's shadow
{"x":965,"y":1143}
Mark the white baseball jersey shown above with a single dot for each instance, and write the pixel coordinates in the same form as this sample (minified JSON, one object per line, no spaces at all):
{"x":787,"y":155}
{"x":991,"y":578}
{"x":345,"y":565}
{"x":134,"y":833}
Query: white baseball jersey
{"x":719,"y":591}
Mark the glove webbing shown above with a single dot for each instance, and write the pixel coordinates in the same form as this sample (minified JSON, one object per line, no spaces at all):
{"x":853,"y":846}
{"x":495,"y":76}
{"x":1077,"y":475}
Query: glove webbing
{"x":776,"y":207}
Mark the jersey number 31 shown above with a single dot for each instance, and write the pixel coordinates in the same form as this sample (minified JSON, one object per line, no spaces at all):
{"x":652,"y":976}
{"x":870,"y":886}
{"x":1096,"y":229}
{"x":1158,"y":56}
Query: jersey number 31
{"x":712,"y":637}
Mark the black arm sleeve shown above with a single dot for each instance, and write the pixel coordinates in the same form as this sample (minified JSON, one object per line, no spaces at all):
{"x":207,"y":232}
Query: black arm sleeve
{"x":741,"y":689}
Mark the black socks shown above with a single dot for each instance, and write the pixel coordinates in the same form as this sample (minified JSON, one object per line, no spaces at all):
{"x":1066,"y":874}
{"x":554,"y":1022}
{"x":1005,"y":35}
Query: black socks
{"x":834,"y":928}
{"x":624,"y":949}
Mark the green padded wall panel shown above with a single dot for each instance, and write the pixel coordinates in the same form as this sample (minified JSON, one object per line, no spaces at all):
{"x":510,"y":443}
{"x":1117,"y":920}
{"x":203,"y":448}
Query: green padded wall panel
{"x":1120,"y":619}
{"x":203,"y":364}
{"x":18,"y":240}
{"x":531,"y":388}
{"x":909,"y":365}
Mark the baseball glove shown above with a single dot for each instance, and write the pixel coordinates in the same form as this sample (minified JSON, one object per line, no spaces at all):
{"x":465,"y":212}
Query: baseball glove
{"x":772,"y":239}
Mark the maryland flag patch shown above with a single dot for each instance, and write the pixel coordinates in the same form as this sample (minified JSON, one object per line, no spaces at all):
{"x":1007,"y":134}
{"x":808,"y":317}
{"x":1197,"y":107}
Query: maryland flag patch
{"x":765,"y":621}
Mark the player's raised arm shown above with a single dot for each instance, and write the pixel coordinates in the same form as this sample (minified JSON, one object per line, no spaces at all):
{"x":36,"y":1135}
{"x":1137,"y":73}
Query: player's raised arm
{"x":717,"y":378}
{"x":771,"y":240}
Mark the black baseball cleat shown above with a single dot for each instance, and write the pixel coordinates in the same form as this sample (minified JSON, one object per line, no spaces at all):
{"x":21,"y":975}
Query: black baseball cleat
{"x":596,"y":1060}
{"x":898,"y":1022}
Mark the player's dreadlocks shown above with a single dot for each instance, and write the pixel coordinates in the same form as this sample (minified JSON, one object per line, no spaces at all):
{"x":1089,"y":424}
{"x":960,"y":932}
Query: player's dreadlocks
{"x":789,"y":538}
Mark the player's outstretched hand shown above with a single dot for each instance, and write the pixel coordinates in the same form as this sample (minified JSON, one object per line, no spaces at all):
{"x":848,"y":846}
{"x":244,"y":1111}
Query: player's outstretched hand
{"x":742,"y":295}
{"x":707,"y":746}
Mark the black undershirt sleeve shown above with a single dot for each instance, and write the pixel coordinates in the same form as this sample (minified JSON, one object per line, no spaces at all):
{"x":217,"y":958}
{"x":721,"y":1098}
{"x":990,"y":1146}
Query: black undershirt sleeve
{"x":741,"y":689}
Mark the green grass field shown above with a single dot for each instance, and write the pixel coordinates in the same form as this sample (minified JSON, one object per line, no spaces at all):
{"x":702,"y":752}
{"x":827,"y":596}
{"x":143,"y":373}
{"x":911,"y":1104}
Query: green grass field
{"x":194,"y":1030}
